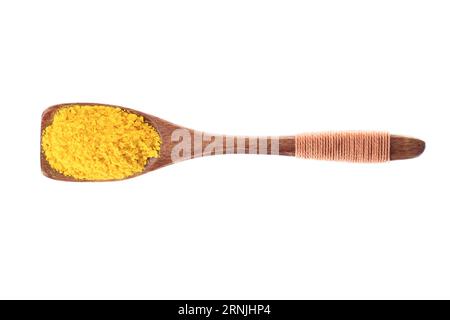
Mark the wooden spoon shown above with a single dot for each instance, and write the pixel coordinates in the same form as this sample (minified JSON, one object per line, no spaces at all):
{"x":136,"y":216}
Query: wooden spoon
{"x":181,"y":143}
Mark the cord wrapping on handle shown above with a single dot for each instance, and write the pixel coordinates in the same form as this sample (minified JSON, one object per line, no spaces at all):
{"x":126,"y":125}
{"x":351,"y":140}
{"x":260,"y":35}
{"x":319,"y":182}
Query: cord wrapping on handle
{"x":350,"y":146}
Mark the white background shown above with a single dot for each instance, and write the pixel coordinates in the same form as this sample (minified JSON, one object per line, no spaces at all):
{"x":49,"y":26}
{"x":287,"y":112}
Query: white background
{"x":230,"y":226}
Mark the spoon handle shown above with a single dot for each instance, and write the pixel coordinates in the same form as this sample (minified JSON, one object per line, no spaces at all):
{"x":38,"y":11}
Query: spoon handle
{"x":348,"y":146}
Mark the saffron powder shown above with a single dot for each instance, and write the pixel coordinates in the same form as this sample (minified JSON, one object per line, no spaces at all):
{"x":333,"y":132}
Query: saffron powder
{"x":95,"y":142}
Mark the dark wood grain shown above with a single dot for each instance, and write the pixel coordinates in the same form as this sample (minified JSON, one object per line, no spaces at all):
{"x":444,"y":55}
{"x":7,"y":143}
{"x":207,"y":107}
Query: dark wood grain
{"x":406,"y":147}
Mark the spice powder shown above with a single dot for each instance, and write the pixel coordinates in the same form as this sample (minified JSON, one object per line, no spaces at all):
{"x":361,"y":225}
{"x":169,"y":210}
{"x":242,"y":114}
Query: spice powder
{"x":95,"y":142}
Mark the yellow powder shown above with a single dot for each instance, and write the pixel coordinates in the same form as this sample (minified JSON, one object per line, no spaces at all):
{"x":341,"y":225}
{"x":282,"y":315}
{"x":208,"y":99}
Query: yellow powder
{"x":99,"y":142}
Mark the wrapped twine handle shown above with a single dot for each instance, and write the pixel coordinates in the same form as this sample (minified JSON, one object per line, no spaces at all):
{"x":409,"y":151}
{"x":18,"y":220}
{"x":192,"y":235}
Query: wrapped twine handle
{"x":349,"y":146}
